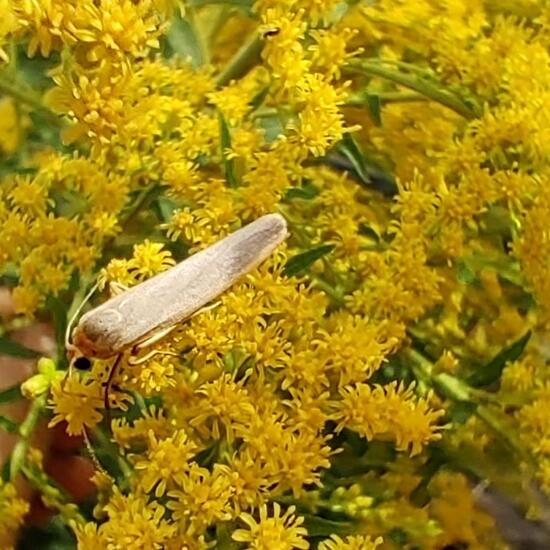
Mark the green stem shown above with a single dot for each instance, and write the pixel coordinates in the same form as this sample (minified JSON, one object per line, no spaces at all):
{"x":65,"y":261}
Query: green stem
{"x":109,"y":447}
{"x":359,"y":100}
{"x":26,"y":429}
{"x":191,"y":16}
{"x":55,"y":495}
{"x":28,"y":98}
{"x":422,"y":86}
{"x":242,"y":61}
{"x":328,"y":288}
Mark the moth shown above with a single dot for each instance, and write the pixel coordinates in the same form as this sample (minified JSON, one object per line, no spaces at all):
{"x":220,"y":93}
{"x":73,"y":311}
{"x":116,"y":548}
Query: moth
{"x":139,"y":317}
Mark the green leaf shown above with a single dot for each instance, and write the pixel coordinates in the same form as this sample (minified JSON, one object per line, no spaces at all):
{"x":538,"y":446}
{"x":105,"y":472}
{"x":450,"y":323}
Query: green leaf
{"x":225,"y":142}
{"x":14,"y":349}
{"x":368,"y":231}
{"x":259,"y":98}
{"x":465,"y":274}
{"x":351,"y":150}
{"x":166,"y":207}
{"x":374,"y":104}
{"x":6,"y":470}
{"x":245,"y":4}
{"x":491,"y":372}
{"x":421,"y":495}
{"x":320,"y":527}
{"x":184,"y":41}
{"x":306,"y":192}
{"x":55,"y":535}
{"x":461,"y":411}
{"x":8,"y":425}
{"x":298,"y":263}
{"x":13,"y":393}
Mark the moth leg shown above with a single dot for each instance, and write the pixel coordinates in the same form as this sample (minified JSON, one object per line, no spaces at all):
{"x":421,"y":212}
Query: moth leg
{"x":108,"y":385}
{"x":147,"y":356}
{"x":116,"y":288}
{"x":206,"y":308}
{"x":148,"y":342}
{"x":154,"y":338}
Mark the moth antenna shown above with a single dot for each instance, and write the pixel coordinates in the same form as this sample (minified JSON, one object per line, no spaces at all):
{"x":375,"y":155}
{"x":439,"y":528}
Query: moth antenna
{"x":78,"y":310}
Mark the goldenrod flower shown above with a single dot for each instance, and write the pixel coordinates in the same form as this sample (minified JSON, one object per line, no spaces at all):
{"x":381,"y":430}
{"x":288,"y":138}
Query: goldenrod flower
{"x":204,"y":498}
{"x":272,"y":530}
{"x":350,"y":543}
{"x":134,"y":522}
{"x":389,"y":412}
{"x":166,"y":463}
{"x":78,"y":403}
{"x":12,"y":509}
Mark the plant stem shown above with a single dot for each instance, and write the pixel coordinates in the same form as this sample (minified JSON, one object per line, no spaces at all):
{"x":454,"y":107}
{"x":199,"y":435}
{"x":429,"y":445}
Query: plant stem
{"x":420,"y":85}
{"x":359,"y":100}
{"x":25,"y":431}
{"x":242,"y":61}
{"x":28,"y":98}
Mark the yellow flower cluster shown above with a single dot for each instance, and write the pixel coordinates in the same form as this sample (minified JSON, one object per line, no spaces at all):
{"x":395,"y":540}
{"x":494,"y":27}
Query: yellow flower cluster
{"x":13,"y":510}
{"x":299,"y":410}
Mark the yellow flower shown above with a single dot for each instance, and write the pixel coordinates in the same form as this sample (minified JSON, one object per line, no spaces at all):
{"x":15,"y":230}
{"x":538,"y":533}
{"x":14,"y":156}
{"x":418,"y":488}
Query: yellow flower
{"x":135,"y":523}
{"x":460,"y":517}
{"x":149,"y":259}
{"x":284,"y":53}
{"x":274,"y":530}
{"x":88,"y":537}
{"x":153,"y":419}
{"x":166,"y":462}
{"x":352,"y":347}
{"x":50,"y":24}
{"x":40,"y":383}
{"x":204,"y":498}
{"x":321,"y":123}
{"x":27,"y":300}
{"x":389,"y":413}
{"x":234,"y":101}
{"x":350,"y":543}
{"x":13,"y":509}
{"x":329,"y":53}
{"x":96,"y":104}
{"x":78,"y":403}
{"x":117,"y":27}
{"x":10,"y":130}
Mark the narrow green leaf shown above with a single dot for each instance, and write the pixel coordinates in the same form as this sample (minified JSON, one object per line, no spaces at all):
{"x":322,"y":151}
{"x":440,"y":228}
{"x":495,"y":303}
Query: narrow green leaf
{"x":421,"y":495}
{"x":298,"y":263}
{"x":259,"y":98}
{"x":6,"y":470}
{"x":374,"y":104}
{"x":225,"y":142}
{"x":320,"y":527}
{"x":351,"y":150}
{"x":306,"y":192}
{"x":184,"y":41}
{"x":14,"y":349}
{"x":8,"y":425}
{"x":491,"y":372}
{"x":245,"y":4}
{"x":368,"y":231}
{"x":13,"y":393}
